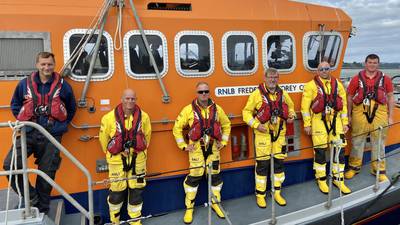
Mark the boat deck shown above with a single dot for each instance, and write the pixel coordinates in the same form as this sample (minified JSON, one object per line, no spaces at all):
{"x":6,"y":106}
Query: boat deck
{"x":299,"y":197}
{"x":304,"y":202}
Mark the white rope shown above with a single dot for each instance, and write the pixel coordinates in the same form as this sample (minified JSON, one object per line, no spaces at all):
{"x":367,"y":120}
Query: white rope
{"x":118,"y":28}
{"x":77,"y":52}
{"x":13,"y":160}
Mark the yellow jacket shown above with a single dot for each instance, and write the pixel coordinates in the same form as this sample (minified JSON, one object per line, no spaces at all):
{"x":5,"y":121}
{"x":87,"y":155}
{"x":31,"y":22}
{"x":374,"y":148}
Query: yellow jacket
{"x":309,"y":94}
{"x":108,"y":129}
{"x":254,"y":103}
{"x":186,"y":118}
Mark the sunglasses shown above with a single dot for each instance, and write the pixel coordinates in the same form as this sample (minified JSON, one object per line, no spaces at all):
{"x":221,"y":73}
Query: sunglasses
{"x":203,"y":92}
{"x":324,"y":69}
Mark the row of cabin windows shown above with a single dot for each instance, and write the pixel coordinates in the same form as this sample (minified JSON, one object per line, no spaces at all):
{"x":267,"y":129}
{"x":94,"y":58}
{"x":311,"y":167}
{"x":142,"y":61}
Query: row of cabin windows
{"x":193,"y":50}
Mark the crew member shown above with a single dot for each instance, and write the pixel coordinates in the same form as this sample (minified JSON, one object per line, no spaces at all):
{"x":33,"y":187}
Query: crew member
{"x":267,"y":111}
{"x":324,"y":111}
{"x":370,"y":105}
{"x":47,"y":99}
{"x":209,"y":130}
{"x":124,"y":137}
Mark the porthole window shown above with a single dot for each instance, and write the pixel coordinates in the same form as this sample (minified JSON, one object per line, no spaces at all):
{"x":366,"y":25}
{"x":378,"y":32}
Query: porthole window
{"x":137,"y":59}
{"x":239,"y":52}
{"x":194,"y":53}
{"x":279,"y":51}
{"x":325,"y":47}
{"x":104,"y":64}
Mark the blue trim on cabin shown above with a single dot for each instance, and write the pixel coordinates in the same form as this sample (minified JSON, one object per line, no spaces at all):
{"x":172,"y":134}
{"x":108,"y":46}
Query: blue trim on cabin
{"x":166,"y":194}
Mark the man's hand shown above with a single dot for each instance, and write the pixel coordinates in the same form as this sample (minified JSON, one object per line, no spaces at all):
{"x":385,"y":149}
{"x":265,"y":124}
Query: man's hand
{"x":261,"y":128}
{"x":390,"y":120}
{"x":125,"y":153}
{"x":345,"y":129}
{"x":190,"y":148}
{"x":308,"y":130}
{"x":219,"y":145}
{"x":291,"y":118}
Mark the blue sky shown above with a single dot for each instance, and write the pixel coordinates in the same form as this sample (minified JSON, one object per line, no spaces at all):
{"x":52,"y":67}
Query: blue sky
{"x":378,"y":27}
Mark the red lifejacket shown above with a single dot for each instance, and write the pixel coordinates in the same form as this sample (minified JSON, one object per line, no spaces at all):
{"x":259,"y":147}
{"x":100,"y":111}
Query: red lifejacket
{"x":322,"y":100}
{"x":126,"y":139}
{"x":271,"y":108}
{"x":378,"y":93}
{"x":49,"y":105}
{"x":201,"y":126}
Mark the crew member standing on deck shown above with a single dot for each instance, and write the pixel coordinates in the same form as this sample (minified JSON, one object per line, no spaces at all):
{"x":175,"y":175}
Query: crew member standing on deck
{"x":208,"y":134}
{"x":124,"y":137}
{"x":324,"y":111}
{"x":47,"y":99}
{"x":370,"y":105}
{"x":267,"y":111}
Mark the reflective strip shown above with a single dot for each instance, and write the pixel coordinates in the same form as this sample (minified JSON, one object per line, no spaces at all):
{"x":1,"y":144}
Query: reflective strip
{"x":305,"y":114}
{"x":319,"y":168}
{"x":225,"y":137}
{"x":344,"y":115}
{"x":179,"y":140}
{"x":280,"y":179}
{"x":135,"y":208}
{"x":113,"y":207}
{"x":190,"y":189}
{"x":251,"y":122}
{"x":216,"y":188}
{"x":338,"y":168}
{"x":261,"y":181}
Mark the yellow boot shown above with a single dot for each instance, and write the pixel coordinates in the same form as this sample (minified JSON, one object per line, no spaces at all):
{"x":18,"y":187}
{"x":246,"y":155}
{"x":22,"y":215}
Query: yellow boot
{"x":188,"y":217}
{"x":136,"y":223}
{"x":383,"y":178}
{"x":189,"y":202}
{"x":278,"y":180}
{"x":323,"y":187}
{"x":350,"y":174}
{"x":279,"y":199}
{"x":342,"y":187}
{"x":215,"y":205}
{"x":218,"y":210}
{"x":261,"y":202}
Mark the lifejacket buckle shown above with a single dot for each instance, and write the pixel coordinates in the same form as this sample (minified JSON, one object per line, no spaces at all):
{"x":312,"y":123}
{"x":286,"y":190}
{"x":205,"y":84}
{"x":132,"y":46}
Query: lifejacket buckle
{"x":41,"y":110}
{"x":328,"y":109}
{"x":128,"y":145}
{"x":366,"y":101}
{"x":274,"y":119}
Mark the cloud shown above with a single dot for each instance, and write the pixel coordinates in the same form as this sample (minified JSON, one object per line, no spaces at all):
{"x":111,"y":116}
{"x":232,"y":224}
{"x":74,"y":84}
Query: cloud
{"x":378,"y":27}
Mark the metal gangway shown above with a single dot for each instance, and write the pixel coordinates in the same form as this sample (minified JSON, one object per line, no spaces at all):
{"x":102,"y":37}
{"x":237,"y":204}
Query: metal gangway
{"x":31,"y":215}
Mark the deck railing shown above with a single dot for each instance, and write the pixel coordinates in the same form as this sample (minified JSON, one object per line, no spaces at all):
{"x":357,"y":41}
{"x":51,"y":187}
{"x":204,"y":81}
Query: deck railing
{"x":21,"y":127}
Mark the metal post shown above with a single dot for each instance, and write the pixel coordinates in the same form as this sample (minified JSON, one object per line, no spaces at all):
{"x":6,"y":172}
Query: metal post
{"x":82,"y":100}
{"x":25,"y":174}
{"x":209,"y":168}
{"x":329,"y":201}
{"x":273,"y":214}
{"x":166,"y":98}
{"x":378,"y":163}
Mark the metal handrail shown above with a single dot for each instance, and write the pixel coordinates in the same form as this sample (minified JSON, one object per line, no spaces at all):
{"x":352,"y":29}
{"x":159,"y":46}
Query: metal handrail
{"x":88,"y":214}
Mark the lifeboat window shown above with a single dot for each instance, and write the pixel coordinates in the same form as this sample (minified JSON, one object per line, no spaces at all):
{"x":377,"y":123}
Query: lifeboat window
{"x":21,"y":47}
{"x":319,"y":47}
{"x":279,"y":51}
{"x":137,"y":59}
{"x":194,"y":54}
{"x":104,"y":64}
{"x":239,"y":52}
